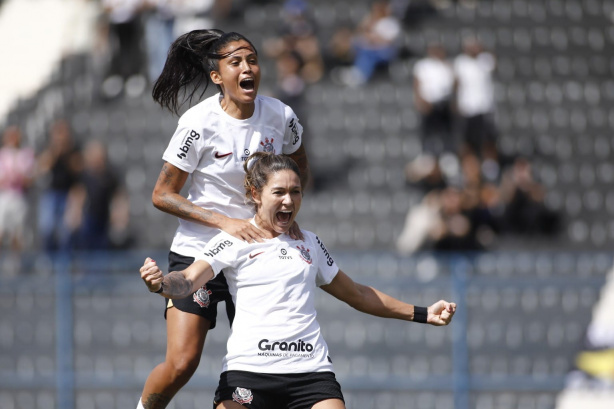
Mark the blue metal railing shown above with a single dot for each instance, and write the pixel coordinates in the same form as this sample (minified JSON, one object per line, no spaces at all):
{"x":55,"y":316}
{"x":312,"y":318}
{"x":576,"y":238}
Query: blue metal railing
{"x":71,"y":274}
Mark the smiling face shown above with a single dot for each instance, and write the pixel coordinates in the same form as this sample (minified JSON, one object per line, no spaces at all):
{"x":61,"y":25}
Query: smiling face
{"x":238,"y":75}
{"x":279,"y":202}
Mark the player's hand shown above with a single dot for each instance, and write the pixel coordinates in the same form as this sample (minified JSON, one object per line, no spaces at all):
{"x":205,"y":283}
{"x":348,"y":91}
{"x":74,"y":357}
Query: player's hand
{"x":151,"y":274}
{"x":440,"y":313}
{"x":243,"y":229}
{"x":295,"y":232}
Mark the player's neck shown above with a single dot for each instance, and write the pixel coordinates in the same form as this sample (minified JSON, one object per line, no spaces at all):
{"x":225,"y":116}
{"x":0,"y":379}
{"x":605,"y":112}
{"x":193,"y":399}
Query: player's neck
{"x":238,"y":110}
{"x":269,"y":232}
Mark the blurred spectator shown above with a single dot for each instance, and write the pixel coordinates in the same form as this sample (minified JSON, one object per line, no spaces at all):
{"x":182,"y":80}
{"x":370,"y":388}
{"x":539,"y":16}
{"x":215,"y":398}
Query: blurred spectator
{"x":125,"y":44}
{"x":433,"y":88}
{"x":297,"y":37}
{"x":525,"y":211}
{"x":475,"y":97}
{"x":93,"y":200}
{"x":159,"y":16}
{"x":339,"y":50}
{"x":58,"y":166}
{"x":426,"y":173}
{"x":419,"y":223}
{"x":441,"y":222}
{"x":375,"y":43}
{"x":290,"y":83}
{"x":16,"y":176}
{"x":415,"y":12}
{"x":454,"y":230}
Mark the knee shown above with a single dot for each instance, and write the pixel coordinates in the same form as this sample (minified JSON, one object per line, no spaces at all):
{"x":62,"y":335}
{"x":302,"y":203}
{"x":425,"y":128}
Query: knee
{"x":183,"y":365}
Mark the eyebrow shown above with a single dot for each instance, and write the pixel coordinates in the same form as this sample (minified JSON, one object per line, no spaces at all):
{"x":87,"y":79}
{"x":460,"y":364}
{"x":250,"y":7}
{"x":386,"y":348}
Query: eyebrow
{"x":230,"y":54}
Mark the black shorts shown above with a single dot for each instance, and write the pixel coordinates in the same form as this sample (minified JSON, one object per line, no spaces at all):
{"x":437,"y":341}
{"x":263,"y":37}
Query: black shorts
{"x":277,"y":391}
{"x":204,"y":301}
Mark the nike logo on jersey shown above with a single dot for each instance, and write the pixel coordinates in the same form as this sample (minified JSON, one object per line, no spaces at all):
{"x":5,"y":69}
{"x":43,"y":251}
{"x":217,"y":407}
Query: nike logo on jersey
{"x":223,"y":155}
{"x":254,"y":255}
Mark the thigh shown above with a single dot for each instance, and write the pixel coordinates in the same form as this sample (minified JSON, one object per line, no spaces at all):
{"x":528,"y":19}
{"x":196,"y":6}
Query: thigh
{"x":329,"y":404}
{"x":228,"y":404}
{"x":186,"y":334}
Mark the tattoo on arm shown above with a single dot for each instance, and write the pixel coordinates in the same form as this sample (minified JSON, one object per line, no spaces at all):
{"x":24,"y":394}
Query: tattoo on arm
{"x":176,"y":285}
{"x":167,"y":197}
{"x":156,"y":401}
{"x":179,"y":206}
{"x":166,"y":175}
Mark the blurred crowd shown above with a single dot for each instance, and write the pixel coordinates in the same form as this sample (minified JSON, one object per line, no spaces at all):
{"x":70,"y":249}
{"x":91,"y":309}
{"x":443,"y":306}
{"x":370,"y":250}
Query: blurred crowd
{"x":80,"y":203}
{"x":133,"y":37}
{"x":471,"y":193}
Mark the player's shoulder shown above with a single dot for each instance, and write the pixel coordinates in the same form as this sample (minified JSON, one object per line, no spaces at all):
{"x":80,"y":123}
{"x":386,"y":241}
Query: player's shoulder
{"x":223,"y":242}
{"x":312,"y":238}
{"x":274,"y":105}
{"x":200,"y":113}
{"x":268,"y":101}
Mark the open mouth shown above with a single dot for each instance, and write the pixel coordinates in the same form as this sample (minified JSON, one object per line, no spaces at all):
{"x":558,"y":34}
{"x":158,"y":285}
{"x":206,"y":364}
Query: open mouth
{"x":247,"y":84}
{"x":284,"y":216}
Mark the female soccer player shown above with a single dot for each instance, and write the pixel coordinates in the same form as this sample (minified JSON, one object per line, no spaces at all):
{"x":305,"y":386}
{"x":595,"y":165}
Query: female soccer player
{"x":276,"y":355}
{"x":212,"y":140}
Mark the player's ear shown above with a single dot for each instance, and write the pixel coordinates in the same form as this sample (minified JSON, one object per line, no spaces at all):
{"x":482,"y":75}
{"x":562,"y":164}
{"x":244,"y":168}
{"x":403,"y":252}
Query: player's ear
{"x":256,"y":196}
{"x":215,"y":77}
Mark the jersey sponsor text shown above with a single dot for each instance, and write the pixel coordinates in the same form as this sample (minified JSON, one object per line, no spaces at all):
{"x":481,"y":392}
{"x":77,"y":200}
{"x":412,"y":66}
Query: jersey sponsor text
{"x":217,"y":249}
{"x":299,"y":346}
{"x":294,"y":128}
{"x":187,"y":143}
{"x":329,"y":259}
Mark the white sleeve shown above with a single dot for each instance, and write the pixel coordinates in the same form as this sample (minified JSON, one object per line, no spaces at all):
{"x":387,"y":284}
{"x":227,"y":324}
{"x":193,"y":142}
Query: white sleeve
{"x":293,"y":132}
{"x":185,"y":148}
{"x":327,"y":268}
{"x":221,"y":252}
{"x":487,"y":60}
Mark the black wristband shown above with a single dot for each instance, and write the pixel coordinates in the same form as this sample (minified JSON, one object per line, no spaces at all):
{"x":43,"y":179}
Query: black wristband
{"x":160,"y":289}
{"x":420,"y":314}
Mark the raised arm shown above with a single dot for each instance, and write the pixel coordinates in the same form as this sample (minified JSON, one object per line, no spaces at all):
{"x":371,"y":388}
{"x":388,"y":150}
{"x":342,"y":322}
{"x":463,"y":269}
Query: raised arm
{"x":374,"y":302}
{"x":166,"y":197}
{"x":177,"y":284}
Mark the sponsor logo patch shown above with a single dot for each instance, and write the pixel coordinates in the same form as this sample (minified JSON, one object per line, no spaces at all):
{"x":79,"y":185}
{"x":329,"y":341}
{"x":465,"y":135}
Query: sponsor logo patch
{"x":246,"y":154}
{"x":242,"y":395}
{"x":201,"y":297}
{"x":284,"y":255}
{"x":304,"y":254}
{"x":267,"y":146}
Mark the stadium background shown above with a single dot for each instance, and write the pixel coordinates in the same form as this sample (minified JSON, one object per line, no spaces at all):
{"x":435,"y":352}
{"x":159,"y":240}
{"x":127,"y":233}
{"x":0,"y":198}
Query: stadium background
{"x":531,"y":331}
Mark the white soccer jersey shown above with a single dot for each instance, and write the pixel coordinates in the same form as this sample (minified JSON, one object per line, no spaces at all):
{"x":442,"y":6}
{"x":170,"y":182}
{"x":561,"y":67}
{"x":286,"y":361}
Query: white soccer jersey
{"x":211,"y":146}
{"x":272,"y":284}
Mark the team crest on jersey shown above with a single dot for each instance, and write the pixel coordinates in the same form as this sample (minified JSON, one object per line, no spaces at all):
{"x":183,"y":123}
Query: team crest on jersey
{"x":201,"y":297}
{"x":304,"y":254}
{"x":268,"y":145}
{"x":242,"y":395}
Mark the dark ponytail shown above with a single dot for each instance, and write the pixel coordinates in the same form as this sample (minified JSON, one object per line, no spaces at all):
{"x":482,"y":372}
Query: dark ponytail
{"x":189,"y":61}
